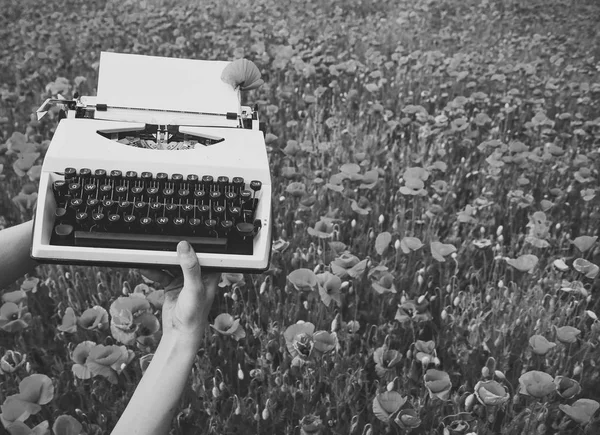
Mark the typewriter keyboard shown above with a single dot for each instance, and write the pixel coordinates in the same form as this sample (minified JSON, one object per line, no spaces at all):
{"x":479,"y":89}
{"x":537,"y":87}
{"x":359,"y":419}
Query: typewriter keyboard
{"x":112,"y":209}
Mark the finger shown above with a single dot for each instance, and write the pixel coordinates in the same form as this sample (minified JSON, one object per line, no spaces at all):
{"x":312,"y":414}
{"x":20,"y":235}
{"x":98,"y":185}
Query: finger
{"x":189,"y":267}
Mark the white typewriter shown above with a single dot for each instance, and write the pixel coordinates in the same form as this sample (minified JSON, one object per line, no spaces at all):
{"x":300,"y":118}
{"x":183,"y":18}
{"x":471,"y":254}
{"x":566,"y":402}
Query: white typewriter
{"x":165,"y":152}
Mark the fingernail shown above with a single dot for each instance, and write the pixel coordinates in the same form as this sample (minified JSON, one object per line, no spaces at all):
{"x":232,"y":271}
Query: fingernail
{"x":183,"y":247}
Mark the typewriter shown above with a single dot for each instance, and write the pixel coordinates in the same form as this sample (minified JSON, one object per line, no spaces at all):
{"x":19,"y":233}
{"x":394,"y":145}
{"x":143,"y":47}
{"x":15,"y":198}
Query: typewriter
{"x":165,"y":152}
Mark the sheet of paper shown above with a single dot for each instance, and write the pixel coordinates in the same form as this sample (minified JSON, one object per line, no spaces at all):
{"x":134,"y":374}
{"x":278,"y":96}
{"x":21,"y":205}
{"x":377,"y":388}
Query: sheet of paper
{"x":150,"y":82}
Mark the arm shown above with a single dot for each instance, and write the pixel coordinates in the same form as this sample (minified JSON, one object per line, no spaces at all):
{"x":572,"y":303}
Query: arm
{"x":14,"y":253}
{"x":185,"y":319}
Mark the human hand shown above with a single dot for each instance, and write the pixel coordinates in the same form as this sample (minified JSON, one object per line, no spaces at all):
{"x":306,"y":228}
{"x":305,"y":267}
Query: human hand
{"x":188,"y":298}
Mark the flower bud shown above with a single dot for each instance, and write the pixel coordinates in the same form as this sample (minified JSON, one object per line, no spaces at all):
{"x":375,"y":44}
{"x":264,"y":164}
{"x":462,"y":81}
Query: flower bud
{"x":397,"y":244}
{"x":454,"y":255}
{"x":238,"y":410}
{"x":234,"y":296}
{"x":263,"y":287}
{"x":390,"y":386}
{"x":353,"y":223}
{"x":265,"y":414}
{"x":240,"y":373}
{"x":305,"y":303}
{"x":500,"y":240}
{"x":420,"y":280}
{"x":499,"y":375}
{"x":577,"y":370}
{"x":222,"y":386}
{"x":381,"y":219}
{"x":444,"y":314}
{"x":500,"y":284}
{"x":215,"y":392}
{"x":421,"y":299}
{"x":485,"y":372}
{"x":456,"y":301}
{"x":449,"y":288}
{"x":436,"y":361}
{"x":469,"y":402}
{"x":281,"y":198}
{"x":499,"y":230}
{"x":488,"y":298}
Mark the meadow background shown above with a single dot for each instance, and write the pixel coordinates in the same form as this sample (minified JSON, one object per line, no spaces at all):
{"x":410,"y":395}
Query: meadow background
{"x":435,"y":165}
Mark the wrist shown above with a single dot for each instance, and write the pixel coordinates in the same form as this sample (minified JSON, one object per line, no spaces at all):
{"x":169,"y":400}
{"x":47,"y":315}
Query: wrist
{"x":184,"y":342}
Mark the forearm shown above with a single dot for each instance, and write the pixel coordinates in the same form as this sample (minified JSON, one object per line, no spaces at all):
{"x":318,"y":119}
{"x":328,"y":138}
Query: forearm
{"x":15,"y":260}
{"x":155,"y":400}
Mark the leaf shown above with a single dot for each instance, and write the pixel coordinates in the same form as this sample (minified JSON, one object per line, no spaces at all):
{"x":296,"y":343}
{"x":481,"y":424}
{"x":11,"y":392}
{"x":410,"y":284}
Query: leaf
{"x":408,"y":244}
{"x":441,"y":250}
{"x":583,"y":243}
{"x":524,"y":263}
{"x":382,"y":242}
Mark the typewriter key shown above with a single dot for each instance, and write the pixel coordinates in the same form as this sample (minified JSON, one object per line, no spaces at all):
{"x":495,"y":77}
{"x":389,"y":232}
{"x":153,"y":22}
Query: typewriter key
{"x":146,"y":223}
{"x":194,"y":224}
{"x":70,"y":173}
{"x":63,"y":231}
{"x":85,"y":172}
{"x":124,"y":205}
{"x":121,"y":191}
{"x":74,"y":188}
{"x":60,"y":187}
{"x":156,"y":207}
{"x":168,"y":192}
{"x":92,"y":202}
{"x":100,"y":173}
{"x":199,"y":194}
{"x":255,"y":185}
{"x":146,"y":176}
{"x":137,"y":190}
{"x":245,"y":229}
{"x":162,"y":222}
{"x":81,"y":218}
{"x":76,"y":203}
{"x":98,"y":218}
{"x":183,"y":193}
{"x":222,"y":181}
{"x":193,"y":179}
{"x":90,"y":189}
{"x":177,"y":178}
{"x":140,"y":205}
{"x":130,"y":175}
{"x":238,"y":183}
{"x":113,"y":221}
{"x":60,"y":213}
{"x":162,"y":177}
{"x":152,"y":191}
{"x":105,"y":189}
{"x":116,"y":175}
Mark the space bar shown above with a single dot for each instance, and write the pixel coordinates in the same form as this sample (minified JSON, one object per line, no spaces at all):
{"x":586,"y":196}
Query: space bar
{"x":151,"y":242}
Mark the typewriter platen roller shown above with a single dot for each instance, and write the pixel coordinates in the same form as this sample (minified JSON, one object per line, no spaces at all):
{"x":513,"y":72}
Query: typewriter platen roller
{"x":127,"y":176}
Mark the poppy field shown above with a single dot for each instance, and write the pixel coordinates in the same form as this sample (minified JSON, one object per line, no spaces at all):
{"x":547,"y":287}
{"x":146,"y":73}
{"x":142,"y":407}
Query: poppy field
{"x":437,"y":211}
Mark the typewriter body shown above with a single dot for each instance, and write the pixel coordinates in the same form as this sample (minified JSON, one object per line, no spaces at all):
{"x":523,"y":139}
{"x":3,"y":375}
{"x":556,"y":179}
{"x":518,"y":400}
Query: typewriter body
{"x":165,"y":152}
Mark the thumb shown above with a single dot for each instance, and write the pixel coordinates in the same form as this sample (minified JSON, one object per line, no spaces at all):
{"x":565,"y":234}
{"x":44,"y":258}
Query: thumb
{"x":190,"y":267}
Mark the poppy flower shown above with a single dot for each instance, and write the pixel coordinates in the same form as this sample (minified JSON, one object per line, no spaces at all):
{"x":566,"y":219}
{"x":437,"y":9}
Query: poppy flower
{"x":242,"y":74}
{"x":536,"y":384}
{"x":589,"y":269}
{"x":385,"y":284}
{"x":69,"y":322}
{"x":296,"y":188}
{"x":79,"y":357}
{"x":352,"y":326}
{"x":458,"y":427}
{"x":16,"y":297}
{"x":126,"y":316}
{"x":303,"y":279}
{"x":226,"y":325}
{"x":15,"y":409}
{"x":567,"y":334}
{"x":231,"y":279}
{"x":524,"y":263}
{"x":323,"y":229}
{"x":408,"y":244}
{"x":581,"y":411}
{"x":491,"y":393}
{"x":438,"y":384}
{"x":539,"y":344}
{"x":311,"y":425}
{"x":108,"y":361}
{"x":66,"y":425}
{"x":94,"y":318}
{"x":343,"y":263}
{"x":424,"y":349}
{"x":567,"y":388}
{"x":324,"y":341}
{"x":30,"y":284}
{"x":386,"y":404}
{"x":11,"y":361}
{"x":329,"y":288}
{"x":156,"y":298}
{"x":299,"y":339}
{"x":13,"y":317}
{"x":386,"y":360}
{"x":407,"y":419}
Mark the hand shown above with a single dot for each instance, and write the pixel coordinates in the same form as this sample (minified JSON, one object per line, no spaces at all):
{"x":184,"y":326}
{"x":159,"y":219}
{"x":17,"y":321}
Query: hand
{"x":188,"y":298}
